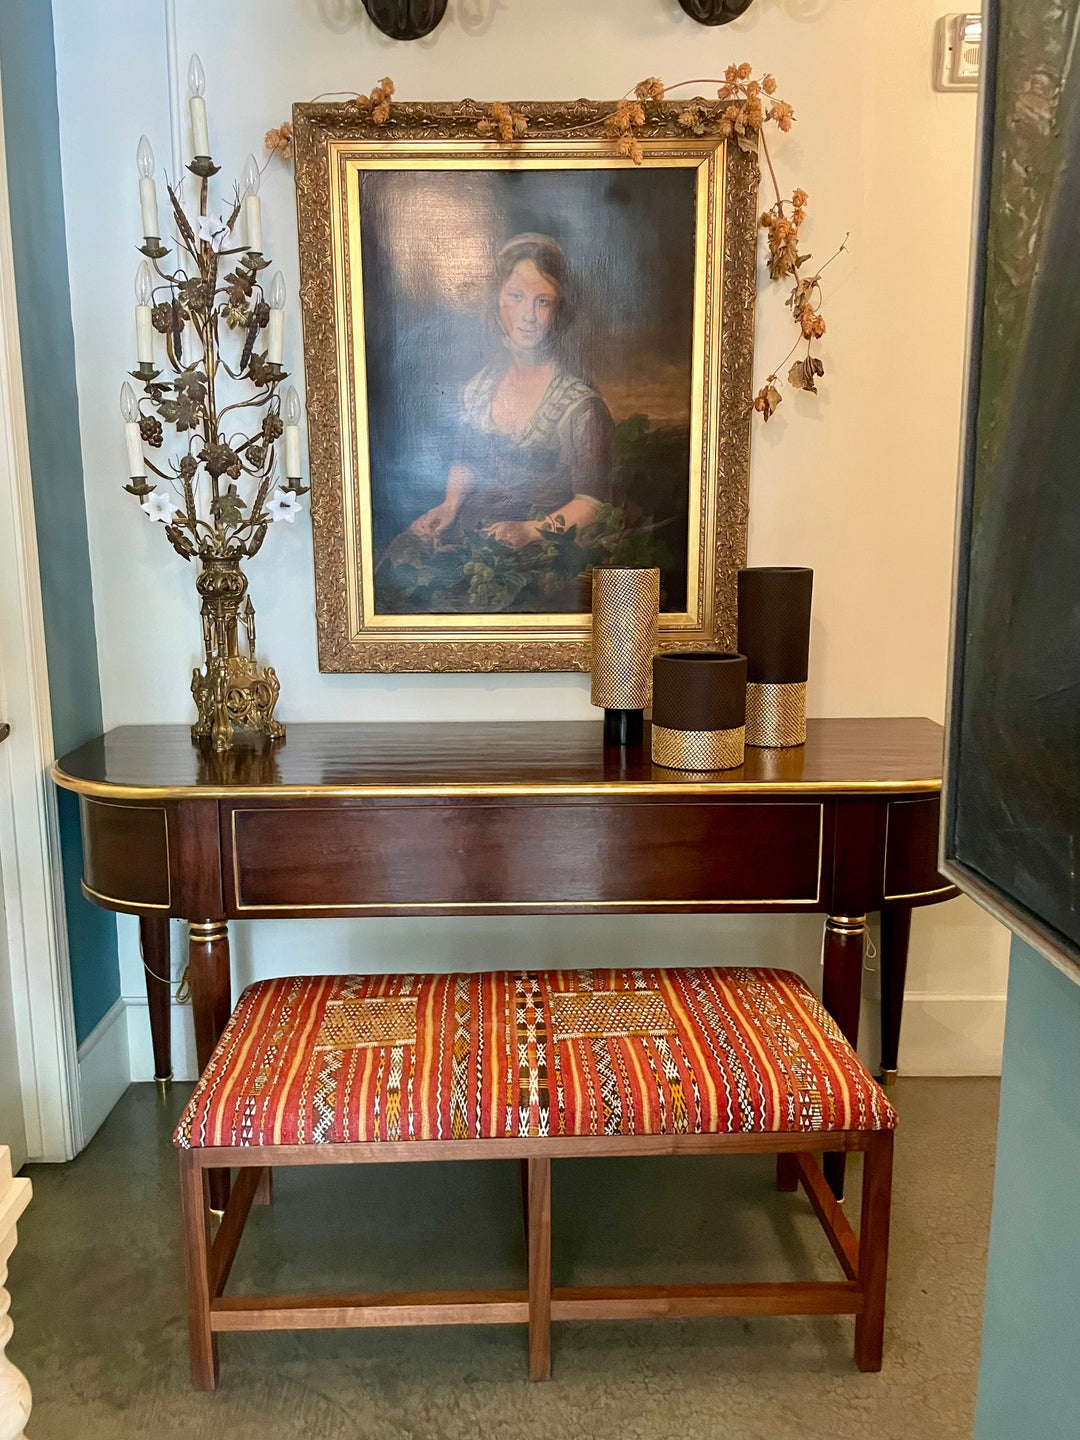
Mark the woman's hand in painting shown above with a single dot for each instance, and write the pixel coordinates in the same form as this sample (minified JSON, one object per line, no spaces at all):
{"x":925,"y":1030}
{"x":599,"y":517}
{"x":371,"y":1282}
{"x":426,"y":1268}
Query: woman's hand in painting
{"x":433,"y":522}
{"x":516,"y":533}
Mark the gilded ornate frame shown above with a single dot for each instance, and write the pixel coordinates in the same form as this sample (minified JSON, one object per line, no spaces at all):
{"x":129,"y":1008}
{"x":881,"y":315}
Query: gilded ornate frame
{"x":331,"y":141}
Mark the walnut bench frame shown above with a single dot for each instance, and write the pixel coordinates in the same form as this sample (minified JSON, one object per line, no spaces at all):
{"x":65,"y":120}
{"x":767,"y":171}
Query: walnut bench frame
{"x":863,"y":1258}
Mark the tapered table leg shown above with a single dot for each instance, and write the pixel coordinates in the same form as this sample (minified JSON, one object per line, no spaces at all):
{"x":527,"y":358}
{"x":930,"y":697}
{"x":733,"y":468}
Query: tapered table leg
{"x":845,"y":937}
{"x":895,"y":935}
{"x":211,"y":1003}
{"x":154,"y":941}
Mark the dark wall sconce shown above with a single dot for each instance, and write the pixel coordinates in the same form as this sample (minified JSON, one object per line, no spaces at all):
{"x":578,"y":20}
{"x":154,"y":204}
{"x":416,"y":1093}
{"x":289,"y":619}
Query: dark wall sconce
{"x":713,"y":12}
{"x":406,"y":19}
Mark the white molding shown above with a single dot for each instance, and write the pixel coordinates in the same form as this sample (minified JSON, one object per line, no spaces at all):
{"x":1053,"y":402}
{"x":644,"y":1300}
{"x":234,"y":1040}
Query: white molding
{"x":29,"y":827}
{"x":172,"y":76}
{"x":104,"y":1068}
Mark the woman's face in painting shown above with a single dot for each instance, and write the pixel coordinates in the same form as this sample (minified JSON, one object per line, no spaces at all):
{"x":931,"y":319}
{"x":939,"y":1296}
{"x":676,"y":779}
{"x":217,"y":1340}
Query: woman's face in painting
{"x":528,"y":303}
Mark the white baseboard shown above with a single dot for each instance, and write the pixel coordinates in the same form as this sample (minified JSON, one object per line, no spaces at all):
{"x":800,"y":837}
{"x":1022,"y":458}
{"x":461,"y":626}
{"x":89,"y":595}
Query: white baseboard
{"x":104,"y":1068}
{"x":141,"y":1051}
{"x":952,"y":1034}
{"x":942,"y":1035}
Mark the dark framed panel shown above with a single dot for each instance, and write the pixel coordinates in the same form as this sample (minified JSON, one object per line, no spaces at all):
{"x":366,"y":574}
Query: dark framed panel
{"x":1011,"y":835}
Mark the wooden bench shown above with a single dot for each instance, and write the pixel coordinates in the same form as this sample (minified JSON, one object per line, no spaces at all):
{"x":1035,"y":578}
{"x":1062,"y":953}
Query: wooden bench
{"x":532,"y":1066}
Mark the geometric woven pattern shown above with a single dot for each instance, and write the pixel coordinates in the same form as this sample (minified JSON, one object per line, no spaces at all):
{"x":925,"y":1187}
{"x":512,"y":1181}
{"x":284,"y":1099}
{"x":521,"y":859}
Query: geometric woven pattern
{"x":324,"y":1059}
{"x":698,"y":749}
{"x":610,"y":1014}
{"x":624,"y":637}
{"x":349,"y":1023}
{"x":776,"y":715}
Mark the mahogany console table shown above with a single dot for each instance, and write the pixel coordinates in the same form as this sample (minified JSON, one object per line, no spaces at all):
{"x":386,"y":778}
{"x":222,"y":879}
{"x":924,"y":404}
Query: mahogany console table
{"x":529,"y":819}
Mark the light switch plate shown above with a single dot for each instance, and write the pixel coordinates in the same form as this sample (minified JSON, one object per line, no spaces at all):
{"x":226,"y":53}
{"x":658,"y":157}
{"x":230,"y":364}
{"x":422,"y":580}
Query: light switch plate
{"x":958,"y":51}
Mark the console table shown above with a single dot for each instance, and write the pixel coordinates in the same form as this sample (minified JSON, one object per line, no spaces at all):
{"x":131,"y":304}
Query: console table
{"x":523,"y":819}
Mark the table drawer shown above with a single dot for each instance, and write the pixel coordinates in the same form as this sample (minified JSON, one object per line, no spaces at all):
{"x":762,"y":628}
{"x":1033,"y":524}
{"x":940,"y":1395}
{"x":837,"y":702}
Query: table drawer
{"x":475,"y":855}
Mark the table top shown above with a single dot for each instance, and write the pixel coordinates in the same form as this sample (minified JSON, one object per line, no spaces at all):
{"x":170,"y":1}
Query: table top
{"x":533,"y":758}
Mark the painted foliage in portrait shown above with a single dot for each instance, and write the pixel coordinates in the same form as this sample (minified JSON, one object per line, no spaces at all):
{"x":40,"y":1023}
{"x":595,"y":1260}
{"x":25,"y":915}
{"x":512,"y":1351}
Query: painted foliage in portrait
{"x":522,"y":362}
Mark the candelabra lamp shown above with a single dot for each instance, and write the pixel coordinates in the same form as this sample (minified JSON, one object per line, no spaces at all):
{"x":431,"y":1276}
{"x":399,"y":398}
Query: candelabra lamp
{"x":236,"y":467}
{"x":625,"y":634}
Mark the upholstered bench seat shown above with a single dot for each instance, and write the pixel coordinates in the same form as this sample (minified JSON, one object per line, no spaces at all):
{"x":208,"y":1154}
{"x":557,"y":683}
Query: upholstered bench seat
{"x":349,"y":1059}
{"x":530,"y":1065}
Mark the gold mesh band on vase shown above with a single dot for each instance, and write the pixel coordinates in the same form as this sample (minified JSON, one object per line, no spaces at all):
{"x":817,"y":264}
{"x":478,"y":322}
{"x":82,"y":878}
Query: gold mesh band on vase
{"x":776,"y":714}
{"x":698,"y":749}
{"x":625,"y":634}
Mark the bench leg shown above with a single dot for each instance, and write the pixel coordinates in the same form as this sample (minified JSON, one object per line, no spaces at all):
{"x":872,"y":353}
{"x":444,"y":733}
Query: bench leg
{"x":264,"y":1190}
{"x":787,"y":1171}
{"x":195,"y":1220}
{"x":539,"y":1231}
{"x":874,"y":1249}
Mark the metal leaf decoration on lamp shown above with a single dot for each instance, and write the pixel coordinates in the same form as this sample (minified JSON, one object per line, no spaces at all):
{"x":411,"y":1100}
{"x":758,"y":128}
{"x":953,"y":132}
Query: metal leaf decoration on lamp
{"x":236,"y":470}
{"x":405,"y":19}
{"x":712,"y":12}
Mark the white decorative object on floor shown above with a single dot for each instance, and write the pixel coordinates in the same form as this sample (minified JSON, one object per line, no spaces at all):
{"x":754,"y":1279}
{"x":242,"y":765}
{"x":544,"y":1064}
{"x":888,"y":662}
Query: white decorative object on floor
{"x":14,"y":1387}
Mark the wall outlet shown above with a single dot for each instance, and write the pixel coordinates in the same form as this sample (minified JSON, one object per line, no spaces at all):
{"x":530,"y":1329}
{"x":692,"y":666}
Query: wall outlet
{"x":958,"y":51}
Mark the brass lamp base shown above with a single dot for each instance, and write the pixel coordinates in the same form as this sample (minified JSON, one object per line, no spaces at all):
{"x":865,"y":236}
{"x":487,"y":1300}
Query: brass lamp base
{"x":234,"y":693}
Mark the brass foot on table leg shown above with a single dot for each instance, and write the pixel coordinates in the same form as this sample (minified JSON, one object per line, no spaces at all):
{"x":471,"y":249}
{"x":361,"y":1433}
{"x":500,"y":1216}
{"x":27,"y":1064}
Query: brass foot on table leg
{"x":163,"y":1083}
{"x":888,"y":1077}
{"x":216,"y":1214}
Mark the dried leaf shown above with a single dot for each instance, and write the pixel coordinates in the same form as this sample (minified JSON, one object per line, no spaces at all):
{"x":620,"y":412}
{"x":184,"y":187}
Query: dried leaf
{"x":803,"y":373}
{"x":801,"y":296}
{"x":766,"y":401}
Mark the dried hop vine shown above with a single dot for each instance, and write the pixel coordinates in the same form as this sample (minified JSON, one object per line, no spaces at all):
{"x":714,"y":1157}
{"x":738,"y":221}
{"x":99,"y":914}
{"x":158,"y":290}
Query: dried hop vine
{"x":279,"y":140}
{"x":743,"y":110}
{"x":508,"y":124}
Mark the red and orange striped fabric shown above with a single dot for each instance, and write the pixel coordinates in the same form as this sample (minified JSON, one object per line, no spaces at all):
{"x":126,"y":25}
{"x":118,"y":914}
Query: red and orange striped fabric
{"x":342,"y":1059}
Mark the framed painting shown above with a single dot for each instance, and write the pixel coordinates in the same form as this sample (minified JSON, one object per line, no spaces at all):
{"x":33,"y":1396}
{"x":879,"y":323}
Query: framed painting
{"x":523,"y":361}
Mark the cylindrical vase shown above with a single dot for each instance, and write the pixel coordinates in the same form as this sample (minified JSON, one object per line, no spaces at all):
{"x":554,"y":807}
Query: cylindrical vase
{"x":625,"y":633}
{"x":699,"y":710}
{"x":774,"y":635}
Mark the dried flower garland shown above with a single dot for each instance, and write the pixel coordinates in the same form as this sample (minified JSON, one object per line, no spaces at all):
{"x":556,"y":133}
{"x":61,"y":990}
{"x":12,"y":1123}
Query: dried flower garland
{"x":743,"y":109}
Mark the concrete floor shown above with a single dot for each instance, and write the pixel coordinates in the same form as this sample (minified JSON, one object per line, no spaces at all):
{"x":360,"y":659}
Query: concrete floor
{"x":100,"y":1329}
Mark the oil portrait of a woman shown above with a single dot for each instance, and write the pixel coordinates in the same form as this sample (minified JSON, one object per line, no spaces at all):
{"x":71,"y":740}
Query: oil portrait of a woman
{"x":534,"y":454}
{"x":512,"y":450}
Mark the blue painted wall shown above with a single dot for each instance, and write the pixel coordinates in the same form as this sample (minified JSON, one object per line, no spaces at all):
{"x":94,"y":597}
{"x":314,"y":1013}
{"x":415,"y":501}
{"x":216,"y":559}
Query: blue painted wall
{"x":1029,"y":1385}
{"x":31,"y":127}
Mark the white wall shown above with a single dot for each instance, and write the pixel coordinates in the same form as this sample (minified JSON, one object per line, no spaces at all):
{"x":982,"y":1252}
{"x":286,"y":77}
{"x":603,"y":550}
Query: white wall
{"x":858,"y":484}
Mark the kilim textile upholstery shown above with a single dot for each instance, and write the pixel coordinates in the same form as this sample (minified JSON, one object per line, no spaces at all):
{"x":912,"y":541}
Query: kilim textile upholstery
{"x":514,"y":1054}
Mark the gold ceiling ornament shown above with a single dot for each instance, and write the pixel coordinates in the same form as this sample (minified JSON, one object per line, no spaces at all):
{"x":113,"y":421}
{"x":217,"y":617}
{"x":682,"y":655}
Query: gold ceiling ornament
{"x":236,"y":470}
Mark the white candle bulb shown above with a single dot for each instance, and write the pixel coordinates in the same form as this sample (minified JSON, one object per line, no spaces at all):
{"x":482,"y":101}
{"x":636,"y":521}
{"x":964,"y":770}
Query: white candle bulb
{"x":275,"y":331}
{"x":291,"y":416}
{"x":144,"y":284}
{"x":144,"y":332}
{"x":252,"y":205}
{"x":147,"y":188}
{"x":197,"y":107}
{"x":129,"y":408}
